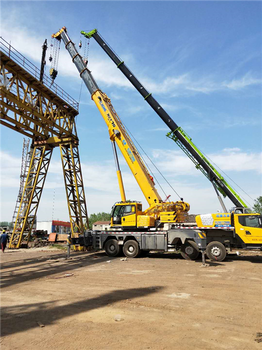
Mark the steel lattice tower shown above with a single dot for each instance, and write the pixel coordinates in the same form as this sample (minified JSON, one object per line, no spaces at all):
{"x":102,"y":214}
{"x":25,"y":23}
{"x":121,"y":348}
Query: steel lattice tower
{"x":45,"y":113}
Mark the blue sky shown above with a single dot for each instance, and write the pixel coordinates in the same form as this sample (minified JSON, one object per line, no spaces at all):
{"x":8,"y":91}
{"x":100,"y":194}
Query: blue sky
{"x":201,"y":61}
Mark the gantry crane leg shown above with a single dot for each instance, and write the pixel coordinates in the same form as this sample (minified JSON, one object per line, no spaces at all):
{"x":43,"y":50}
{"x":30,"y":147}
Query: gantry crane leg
{"x":74,"y":187}
{"x":46,"y":114}
{"x":32,"y":192}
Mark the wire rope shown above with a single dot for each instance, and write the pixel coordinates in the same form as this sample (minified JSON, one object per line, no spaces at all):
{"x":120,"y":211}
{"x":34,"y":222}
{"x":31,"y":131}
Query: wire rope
{"x":212,"y":162}
{"x":153,"y":165}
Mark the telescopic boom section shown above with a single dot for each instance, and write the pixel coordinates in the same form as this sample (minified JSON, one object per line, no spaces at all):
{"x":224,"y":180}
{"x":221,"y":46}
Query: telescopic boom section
{"x":118,"y":133}
{"x":177,"y":134}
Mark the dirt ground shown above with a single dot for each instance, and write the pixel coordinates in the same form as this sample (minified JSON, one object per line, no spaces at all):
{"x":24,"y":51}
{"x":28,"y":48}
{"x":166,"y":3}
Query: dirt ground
{"x":156,"y":302}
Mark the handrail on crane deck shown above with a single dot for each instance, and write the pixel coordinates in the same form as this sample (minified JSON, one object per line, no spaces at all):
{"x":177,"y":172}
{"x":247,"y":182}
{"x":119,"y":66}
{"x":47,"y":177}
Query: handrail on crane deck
{"x":17,"y":57}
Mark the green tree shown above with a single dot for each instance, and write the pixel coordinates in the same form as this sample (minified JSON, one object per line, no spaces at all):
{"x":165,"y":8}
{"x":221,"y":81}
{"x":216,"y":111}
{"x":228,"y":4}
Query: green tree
{"x":7,"y":224}
{"x":3,"y":223}
{"x":98,"y":217}
{"x":11,"y":225}
{"x":258,"y":205}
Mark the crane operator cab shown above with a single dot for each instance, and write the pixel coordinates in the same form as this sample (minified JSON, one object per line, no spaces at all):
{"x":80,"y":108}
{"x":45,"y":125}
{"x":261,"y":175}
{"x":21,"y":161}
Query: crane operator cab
{"x":241,"y":210}
{"x":249,"y":228}
{"x":129,"y":216}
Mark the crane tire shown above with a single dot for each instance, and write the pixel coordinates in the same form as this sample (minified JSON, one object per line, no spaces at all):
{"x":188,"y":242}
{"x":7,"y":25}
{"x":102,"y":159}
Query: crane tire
{"x":216,"y":251}
{"x":189,"y":250}
{"x":112,"y":248}
{"x":131,"y":249}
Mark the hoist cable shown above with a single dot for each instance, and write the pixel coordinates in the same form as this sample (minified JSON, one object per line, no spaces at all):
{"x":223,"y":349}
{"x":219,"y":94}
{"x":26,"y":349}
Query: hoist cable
{"x":153,"y":165}
{"x":80,"y":92}
{"x":230,"y":179}
{"x":146,"y":162}
{"x":212,"y":162}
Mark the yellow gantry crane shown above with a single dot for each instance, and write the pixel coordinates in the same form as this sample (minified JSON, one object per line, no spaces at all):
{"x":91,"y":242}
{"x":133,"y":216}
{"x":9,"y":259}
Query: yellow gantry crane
{"x":45,"y":113}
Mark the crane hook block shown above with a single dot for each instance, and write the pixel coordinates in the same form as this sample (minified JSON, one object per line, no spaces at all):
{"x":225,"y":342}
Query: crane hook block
{"x":53,"y":73}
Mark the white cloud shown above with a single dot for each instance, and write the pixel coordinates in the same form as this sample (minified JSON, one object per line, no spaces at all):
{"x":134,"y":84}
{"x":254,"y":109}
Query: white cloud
{"x":241,"y":83}
{"x":240,"y":121}
{"x":173,"y":162}
{"x":10,"y":170}
{"x":21,"y":40}
{"x":101,"y":185}
{"x":29,"y":44}
{"x":186,"y":83}
{"x":105,"y":72}
{"x":165,"y":129}
{"x":103,"y":177}
{"x":234,"y":149}
{"x":229,"y":159}
{"x":236,"y":160}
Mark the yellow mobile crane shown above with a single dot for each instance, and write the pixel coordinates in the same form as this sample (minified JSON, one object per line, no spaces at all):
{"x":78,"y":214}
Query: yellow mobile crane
{"x":127,"y":214}
{"x":215,"y":233}
{"x":132,"y":229}
{"x":223,"y":231}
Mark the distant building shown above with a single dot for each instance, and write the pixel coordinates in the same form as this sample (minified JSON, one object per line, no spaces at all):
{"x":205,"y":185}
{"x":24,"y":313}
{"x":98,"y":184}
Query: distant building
{"x":101,"y":226}
{"x":54,"y":226}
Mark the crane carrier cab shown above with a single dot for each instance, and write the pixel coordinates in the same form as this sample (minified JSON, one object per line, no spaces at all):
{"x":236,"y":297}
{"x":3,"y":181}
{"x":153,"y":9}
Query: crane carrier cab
{"x":225,"y":231}
{"x":129,"y":215}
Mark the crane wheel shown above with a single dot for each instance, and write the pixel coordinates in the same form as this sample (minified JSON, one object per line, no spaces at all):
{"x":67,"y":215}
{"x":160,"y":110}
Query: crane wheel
{"x":216,"y":251}
{"x":189,"y":250}
{"x":131,"y":249}
{"x":112,"y":248}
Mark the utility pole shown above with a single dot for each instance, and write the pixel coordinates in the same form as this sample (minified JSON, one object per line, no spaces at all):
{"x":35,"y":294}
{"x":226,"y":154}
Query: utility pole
{"x":43,"y":62}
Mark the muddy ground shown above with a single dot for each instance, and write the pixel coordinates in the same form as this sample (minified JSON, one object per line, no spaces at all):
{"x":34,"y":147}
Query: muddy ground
{"x":156,"y":302}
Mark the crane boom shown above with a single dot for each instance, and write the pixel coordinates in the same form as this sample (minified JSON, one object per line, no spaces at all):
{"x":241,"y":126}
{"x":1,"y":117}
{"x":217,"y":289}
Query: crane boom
{"x":177,"y":133}
{"x":118,"y":134}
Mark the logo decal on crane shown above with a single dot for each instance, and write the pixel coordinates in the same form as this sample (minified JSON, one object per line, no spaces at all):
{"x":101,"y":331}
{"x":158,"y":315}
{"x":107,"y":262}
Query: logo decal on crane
{"x":102,"y":105}
{"x":129,"y":152}
{"x":111,"y":120}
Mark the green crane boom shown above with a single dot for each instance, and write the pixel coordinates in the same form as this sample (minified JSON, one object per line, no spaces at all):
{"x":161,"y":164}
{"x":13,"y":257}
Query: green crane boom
{"x":176,"y":133}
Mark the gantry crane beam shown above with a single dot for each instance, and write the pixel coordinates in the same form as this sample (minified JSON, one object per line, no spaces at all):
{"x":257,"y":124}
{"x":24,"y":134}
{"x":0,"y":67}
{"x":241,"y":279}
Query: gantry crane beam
{"x":46,"y":114}
{"x":30,"y":107}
